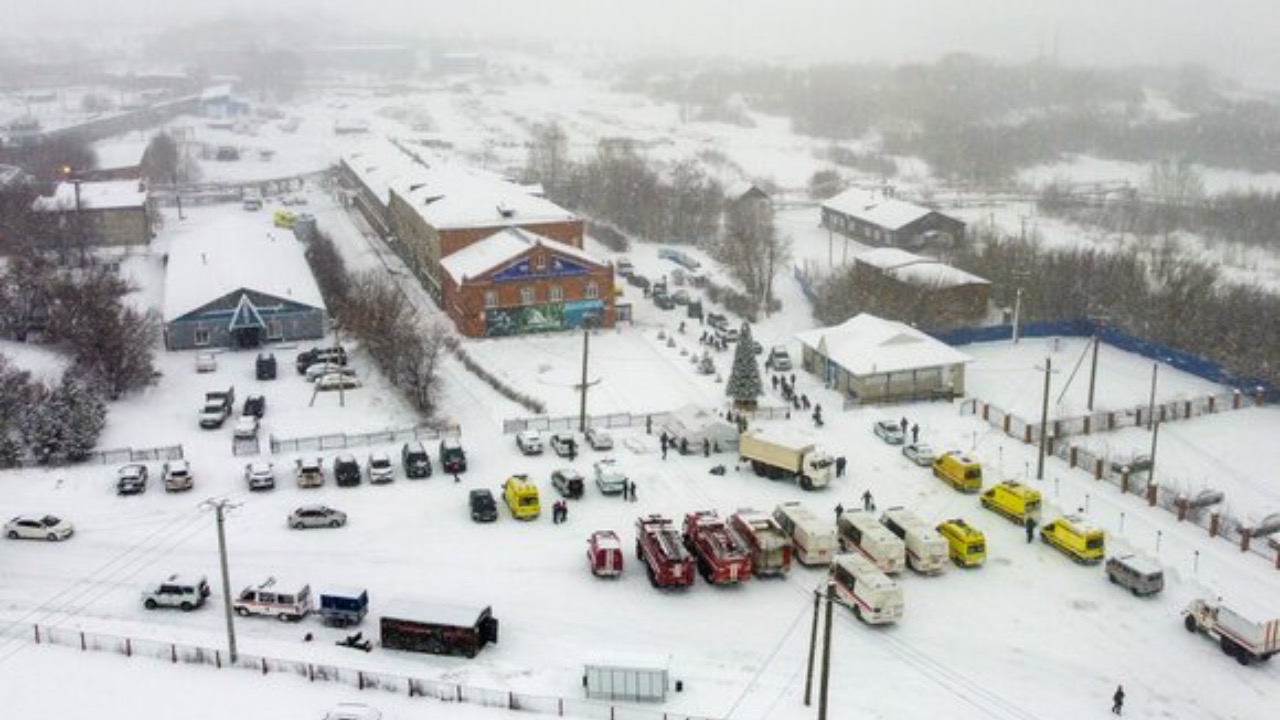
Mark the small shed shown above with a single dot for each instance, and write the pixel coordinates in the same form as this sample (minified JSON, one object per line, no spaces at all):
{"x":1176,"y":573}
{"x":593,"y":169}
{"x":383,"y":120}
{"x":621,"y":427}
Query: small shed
{"x":696,"y":424}
{"x":630,"y":677}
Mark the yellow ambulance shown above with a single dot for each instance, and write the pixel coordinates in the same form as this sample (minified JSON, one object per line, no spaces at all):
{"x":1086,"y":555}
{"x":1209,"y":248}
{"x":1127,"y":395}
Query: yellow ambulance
{"x":960,"y":471}
{"x":521,"y":497}
{"x":1013,"y":500}
{"x":967,"y":546}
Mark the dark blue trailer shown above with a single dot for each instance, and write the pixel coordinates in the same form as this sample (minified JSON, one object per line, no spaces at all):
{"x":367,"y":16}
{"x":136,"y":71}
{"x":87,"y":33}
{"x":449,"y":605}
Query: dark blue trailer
{"x":343,"y":607}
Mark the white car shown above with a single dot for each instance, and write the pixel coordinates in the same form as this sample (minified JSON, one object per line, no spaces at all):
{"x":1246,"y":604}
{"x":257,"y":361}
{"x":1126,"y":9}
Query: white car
{"x":318,"y":370}
{"x":599,"y":439}
{"x":921,"y":454}
{"x":889,"y":431}
{"x":609,"y":478}
{"x":177,"y":476}
{"x":380,"y":468}
{"x":353,"y":711}
{"x":335,"y":381}
{"x":529,"y":442}
{"x":316,"y":516}
{"x":779,"y":359}
{"x":246,"y":427}
{"x":260,"y":475}
{"x":28,"y":527}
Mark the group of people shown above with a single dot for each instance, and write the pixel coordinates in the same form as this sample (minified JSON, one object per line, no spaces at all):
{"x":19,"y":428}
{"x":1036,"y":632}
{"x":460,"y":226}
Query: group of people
{"x":713,"y":340}
{"x":912,"y":428}
{"x":559,"y":511}
{"x":868,"y":504}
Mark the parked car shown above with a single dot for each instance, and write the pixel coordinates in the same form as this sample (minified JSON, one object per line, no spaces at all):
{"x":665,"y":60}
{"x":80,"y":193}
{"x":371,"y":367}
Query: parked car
{"x":346,"y":470}
{"x":729,"y":335}
{"x":177,"y":476}
{"x":310,"y":472}
{"x":919,"y":453}
{"x":529,"y":442}
{"x":29,"y":527}
{"x":568,"y":482}
{"x":681,"y":297}
{"x":779,"y":360}
{"x":564,"y":445}
{"x":131,"y":479}
{"x":452,"y":457}
{"x":260,"y":475}
{"x":624,"y":267}
{"x":206,"y":362}
{"x":484,"y":508}
{"x":1140,"y":575}
{"x":1135,"y":464}
{"x":316,"y":516}
{"x":353,"y":711}
{"x":305,"y":359}
{"x":265,"y":366}
{"x":717,"y":321}
{"x":663,"y":301}
{"x":246,"y":427}
{"x":638,"y":280}
{"x":416,"y":461}
{"x":177,"y":591}
{"x":889,"y":431}
{"x":320,"y":369}
{"x":255,"y":405}
{"x":609,"y":478}
{"x":380,"y":468}
{"x":337,"y":381}
{"x":599,"y":439}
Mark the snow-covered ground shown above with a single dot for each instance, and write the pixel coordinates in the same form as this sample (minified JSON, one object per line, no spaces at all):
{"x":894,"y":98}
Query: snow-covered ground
{"x":1030,"y":635}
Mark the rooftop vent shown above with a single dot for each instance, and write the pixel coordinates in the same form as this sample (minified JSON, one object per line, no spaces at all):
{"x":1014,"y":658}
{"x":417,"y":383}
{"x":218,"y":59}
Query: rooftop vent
{"x":505,"y":210}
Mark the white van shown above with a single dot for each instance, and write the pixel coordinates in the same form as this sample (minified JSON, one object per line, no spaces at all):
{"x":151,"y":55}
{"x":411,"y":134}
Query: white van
{"x":281,"y":600}
{"x":861,"y":533}
{"x":815,"y":541}
{"x":926,"y":549}
{"x":873,"y":596}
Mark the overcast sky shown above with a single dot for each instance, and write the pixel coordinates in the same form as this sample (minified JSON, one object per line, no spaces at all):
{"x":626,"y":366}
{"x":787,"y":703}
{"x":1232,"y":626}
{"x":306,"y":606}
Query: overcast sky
{"x":1240,"y":37}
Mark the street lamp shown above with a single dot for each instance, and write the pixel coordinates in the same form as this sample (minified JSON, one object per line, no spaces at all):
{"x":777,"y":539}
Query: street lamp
{"x":74,"y":177}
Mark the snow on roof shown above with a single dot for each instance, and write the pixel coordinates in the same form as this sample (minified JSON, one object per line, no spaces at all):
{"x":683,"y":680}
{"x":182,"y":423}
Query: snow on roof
{"x":120,"y":152}
{"x":216,"y":92}
{"x":739,"y":189}
{"x":917,"y":269}
{"x":500,"y":247}
{"x":234,"y":252}
{"x":431,"y":611}
{"x":876,"y":208}
{"x":113,"y":194}
{"x":868,"y":345}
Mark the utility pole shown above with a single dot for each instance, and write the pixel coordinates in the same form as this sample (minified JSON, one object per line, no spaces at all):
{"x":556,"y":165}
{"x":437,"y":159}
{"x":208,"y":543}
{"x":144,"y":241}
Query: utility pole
{"x":219,"y":508}
{"x":1151,"y":404}
{"x":826,"y":653}
{"x":1093,"y":368}
{"x":813,"y":646}
{"x":582,"y":406}
{"x":1044,"y":418}
{"x":1019,"y":276}
{"x":1151,"y":471}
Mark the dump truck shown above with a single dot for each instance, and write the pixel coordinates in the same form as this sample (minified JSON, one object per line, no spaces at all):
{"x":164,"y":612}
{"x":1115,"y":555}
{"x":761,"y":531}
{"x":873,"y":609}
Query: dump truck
{"x":659,"y":547}
{"x":1243,"y":639}
{"x":769,"y":544}
{"x":723,"y":558}
{"x":776,"y":453}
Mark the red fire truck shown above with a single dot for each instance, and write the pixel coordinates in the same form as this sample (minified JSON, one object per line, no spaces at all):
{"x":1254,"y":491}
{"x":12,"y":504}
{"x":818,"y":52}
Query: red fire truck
{"x":658,"y":546}
{"x":723,"y":558}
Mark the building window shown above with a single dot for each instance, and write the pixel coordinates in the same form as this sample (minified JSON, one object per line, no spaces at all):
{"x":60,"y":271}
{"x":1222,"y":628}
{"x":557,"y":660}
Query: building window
{"x":202,"y":336}
{"x":593,"y":291}
{"x":539,"y":263}
{"x":490,"y":299}
{"x":557,"y":293}
{"x":527,"y":295}
{"x":275,"y":330}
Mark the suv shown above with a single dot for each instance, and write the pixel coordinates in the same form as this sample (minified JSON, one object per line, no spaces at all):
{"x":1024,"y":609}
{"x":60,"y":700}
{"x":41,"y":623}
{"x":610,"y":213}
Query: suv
{"x":452,"y":457}
{"x":265,"y":367}
{"x":1140,"y":575}
{"x":246,"y":427}
{"x":336,"y":355}
{"x":380,"y":468}
{"x":260,"y":475}
{"x":255,"y":405}
{"x":599,"y":439}
{"x":176,"y":591}
{"x":529,"y":442}
{"x":346,"y":471}
{"x":483,"y":506}
{"x":779,"y":360}
{"x":416,"y":461}
{"x":131,"y":479}
{"x":564,"y":445}
{"x":310,"y":472}
{"x":177,"y":476}
{"x":568,"y":482}
{"x":609,"y":478}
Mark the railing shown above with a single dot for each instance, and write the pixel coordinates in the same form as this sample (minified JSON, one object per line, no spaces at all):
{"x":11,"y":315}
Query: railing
{"x":414,"y":687}
{"x":104,"y":457}
{"x":338,"y":441}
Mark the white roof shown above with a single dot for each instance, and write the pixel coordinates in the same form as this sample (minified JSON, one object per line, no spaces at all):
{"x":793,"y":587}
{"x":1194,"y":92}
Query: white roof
{"x":917,"y":269}
{"x":430,"y":611}
{"x":234,"y":252}
{"x":503,"y":246}
{"x":784,"y":434}
{"x":868,"y":345}
{"x":876,"y":208}
{"x":106,"y":195}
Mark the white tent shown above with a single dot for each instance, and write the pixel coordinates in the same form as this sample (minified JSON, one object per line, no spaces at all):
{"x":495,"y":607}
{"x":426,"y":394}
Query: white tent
{"x":694,"y":425}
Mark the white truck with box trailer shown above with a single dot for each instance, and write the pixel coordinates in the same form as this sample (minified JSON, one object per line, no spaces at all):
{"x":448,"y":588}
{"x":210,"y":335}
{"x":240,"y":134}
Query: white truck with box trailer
{"x":1243,"y":639}
{"x":778,"y":453}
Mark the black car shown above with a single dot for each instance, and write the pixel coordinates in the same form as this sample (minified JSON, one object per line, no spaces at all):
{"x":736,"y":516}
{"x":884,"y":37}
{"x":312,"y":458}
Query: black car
{"x":664,"y":302}
{"x":483,"y":507}
{"x":452,"y":457}
{"x":265,"y":368}
{"x":638,"y":280}
{"x":255,"y":405}
{"x":416,"y":461}
{"x":346,"y":471}
{"x":335,"y":355}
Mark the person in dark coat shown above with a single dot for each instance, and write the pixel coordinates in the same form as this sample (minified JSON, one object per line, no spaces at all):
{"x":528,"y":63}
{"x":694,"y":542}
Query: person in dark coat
{"x":915,"y":433}
{"x":839,"y":510}
{"x":706,"y":447}
{"x":665,"y":443}
{"x":868,"y":502}
{"x":904,"y":425}
{"x":804,"y":400}
{"x":684,"y":446}
{"x":1031,"y":528}
{"x":840,"y":461}
{"x":1117,"y":700}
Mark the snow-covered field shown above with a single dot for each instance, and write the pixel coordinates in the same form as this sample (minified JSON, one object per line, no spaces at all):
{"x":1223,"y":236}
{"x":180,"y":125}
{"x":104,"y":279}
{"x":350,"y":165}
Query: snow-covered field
{"x":1030,"y":635}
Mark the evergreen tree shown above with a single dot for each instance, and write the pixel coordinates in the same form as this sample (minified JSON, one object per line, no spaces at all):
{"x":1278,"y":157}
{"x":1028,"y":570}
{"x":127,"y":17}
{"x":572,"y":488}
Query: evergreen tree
{"x":83,"y":415}
{"x":744,"y":384}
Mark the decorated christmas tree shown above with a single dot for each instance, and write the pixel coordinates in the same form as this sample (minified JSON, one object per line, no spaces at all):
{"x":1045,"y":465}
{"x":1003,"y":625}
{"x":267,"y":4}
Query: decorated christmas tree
{"x":744,"y":381}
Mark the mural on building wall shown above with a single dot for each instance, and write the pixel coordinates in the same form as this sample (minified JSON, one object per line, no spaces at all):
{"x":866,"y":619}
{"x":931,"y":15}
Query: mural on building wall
{"x":523,"y":270}
{"x":503,"y":322}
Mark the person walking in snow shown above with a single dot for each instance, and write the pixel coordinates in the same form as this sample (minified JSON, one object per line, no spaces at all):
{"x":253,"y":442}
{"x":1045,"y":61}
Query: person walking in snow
{"x":840,"y":463}
{"x":904,"y":424}
{"x":915,"y":433}
{"x":1117,"y":701}
{"x":868,"y":502}
{"x":839,"y":510}
{"x":1031,"y":529}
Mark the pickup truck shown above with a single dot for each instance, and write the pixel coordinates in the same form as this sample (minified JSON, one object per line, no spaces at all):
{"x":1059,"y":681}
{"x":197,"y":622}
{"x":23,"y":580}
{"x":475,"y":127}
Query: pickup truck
{"x":217,"y":408}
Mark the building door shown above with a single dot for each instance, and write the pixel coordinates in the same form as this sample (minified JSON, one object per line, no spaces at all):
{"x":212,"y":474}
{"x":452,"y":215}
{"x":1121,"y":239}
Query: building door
{"x":246,"y":337}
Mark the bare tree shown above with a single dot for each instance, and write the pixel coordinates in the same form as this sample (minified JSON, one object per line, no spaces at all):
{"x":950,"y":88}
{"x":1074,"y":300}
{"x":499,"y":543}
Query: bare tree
{"x":751,"y":248}
{"x":549,"y":156}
